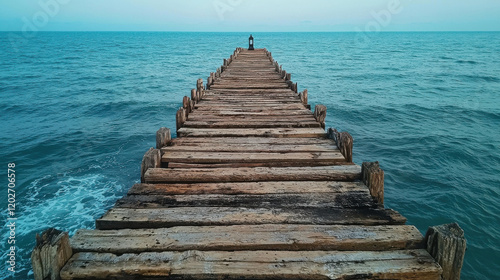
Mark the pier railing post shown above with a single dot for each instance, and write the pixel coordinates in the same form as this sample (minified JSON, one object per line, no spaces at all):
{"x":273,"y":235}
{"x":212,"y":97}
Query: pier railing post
{"x":344,"y":142}
{"x":51,"y":253}
{"x":151,"y":159}
{"x":320,"y":114}
{"x":447,"y":245}
{"x":303,"y":97}
{"x":373,"y":177}
{"x":186,"y":104}
{"x":180,"y":118}
{"x":199,"y":89}
{"x":193,"y":96}
{"x":163,"y":137}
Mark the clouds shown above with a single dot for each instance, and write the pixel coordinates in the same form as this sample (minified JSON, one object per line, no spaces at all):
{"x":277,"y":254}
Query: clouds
{"x":255,"y":15}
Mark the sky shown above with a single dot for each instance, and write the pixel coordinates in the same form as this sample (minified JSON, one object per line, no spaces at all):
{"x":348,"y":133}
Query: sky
{"x":250,"y":15}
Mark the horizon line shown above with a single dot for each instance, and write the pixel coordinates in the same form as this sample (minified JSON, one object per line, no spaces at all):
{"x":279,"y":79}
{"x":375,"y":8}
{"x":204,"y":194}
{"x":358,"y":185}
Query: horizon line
{"x":174,"y":31}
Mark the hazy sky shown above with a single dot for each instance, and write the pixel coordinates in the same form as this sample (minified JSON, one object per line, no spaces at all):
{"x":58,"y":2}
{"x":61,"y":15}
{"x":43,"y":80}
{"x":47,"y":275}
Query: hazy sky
{"x":250,"y":15}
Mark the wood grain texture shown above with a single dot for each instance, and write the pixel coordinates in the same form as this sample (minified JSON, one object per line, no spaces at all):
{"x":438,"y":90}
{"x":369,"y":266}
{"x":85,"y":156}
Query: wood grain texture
{"x":120,"y":218}
{"x":258,"y":132}
{"x":249,"y":237}
{"x":327,"y":173}
{"x":400,"y":264}
{"x":262,"y":188}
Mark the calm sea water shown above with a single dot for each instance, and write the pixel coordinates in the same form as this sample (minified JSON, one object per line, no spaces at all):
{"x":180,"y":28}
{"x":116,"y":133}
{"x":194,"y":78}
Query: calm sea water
{"x":78,"y":111}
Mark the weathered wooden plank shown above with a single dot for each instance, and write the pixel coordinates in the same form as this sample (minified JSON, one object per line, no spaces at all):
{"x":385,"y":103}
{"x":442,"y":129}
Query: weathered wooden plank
{"x":289,"y":114}
{"x":399,"y":264}
{"x":250,"y":124}
{"x":349,"y":199}
{"x":249,"y":237}
{"x":278,"y":187}
{"x":256,"y":148}
{"x":176,"y":165}
{"x":252,"y":118}
{"x":323,"y":173}
{"x":242,"y":132}
{"x":242,"y":157}
{"x":252,"y":93}
{"x":120,"y":218}
{"x":256,"y":92}
{"x":253,"y":141}
{"x":250,"y":108}
{"x":268,"y":105}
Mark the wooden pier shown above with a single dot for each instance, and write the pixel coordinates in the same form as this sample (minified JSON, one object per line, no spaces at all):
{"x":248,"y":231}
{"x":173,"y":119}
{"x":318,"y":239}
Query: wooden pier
{"x":254,"y":187}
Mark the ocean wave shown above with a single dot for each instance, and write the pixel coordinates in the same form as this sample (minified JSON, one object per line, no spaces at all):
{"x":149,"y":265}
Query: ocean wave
{"x":65,"y":202}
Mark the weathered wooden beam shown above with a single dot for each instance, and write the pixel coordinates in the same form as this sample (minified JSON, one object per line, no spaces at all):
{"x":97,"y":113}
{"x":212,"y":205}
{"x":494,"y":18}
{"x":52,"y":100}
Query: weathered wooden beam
{"x":320,"y":114}
{"x":120,"y":218}
{"x":250,"y":188}
{"x":50,"y":254}
{"x":277,"y":237}
{"x":180,"y":118}
{"x":288,"y":77}
{"x":395,"y":264}
{"x":344,"y":142}
{"x":151,"y":159}
{"x":447,"y":245}
{"x":254,"y":174}
{"x":163,"y":137}
{"x":373,"y":176}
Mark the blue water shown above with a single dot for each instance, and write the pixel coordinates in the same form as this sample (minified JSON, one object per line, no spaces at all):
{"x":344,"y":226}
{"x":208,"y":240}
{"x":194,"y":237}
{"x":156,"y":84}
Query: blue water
{"x":78,"y":111}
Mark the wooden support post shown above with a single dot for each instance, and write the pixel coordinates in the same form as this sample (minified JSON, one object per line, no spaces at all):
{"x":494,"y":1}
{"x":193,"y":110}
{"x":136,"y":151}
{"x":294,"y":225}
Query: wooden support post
{"x":209,"y":82}
{"x":320,"y":114}
{"x":193,"y":95}
{"x":447,"y":245}
{"x":151,"y":159}
{"x":191,"y":105}
{"x":303,"y":97}
{"x":288,"y":77}
{"x":199,"y":93}
{"x":281,"y":69}
{"x":186,"y":104}
{"x":219,"y":71}
{"x":199,"y":84}
{"x":199,"y":89}
{"x":344,"y":142}
{"x":225,"y":62}
{"x":373,"y":177}
{"x":295,"y":87}
{"x":180,"y":118}
{"x":50,"y":254}
{"x":163,"y":137}
{"x":283,"y":74}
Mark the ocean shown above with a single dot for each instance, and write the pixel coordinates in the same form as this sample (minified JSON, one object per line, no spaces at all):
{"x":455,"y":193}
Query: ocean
{"x":78,"y":111}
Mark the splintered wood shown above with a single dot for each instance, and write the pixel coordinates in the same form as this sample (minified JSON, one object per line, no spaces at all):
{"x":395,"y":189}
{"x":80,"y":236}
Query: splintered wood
{"x":252,"y":188}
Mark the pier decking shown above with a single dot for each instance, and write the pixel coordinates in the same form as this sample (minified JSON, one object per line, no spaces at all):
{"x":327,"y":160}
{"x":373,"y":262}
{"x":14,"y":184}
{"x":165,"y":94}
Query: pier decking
{"x":252,"y":188}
